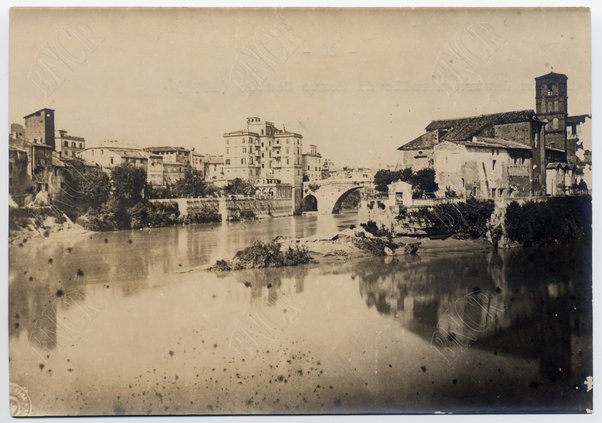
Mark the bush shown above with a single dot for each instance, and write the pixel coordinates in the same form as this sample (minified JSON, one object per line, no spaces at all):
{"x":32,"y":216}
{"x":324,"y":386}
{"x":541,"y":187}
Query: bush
{"x":203,"y":213}
{"x":108,"y":217}
{"x":558,"y":220}
{"x":265,"y":254}
{"x":465,"y":220}
{"x":147,"y":214}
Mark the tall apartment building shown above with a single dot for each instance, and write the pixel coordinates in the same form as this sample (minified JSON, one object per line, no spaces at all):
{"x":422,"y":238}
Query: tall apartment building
{"x":312,"y":165}
{"x":264,"y":154}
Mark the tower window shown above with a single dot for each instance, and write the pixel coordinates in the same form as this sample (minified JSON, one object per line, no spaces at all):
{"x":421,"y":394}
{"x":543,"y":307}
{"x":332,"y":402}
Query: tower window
{"x":550,"y":89}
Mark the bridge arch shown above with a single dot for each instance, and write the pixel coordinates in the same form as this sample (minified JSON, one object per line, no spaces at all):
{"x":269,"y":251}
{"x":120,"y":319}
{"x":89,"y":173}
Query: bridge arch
{"x":336,"y":207}
{"x":309,"y":203}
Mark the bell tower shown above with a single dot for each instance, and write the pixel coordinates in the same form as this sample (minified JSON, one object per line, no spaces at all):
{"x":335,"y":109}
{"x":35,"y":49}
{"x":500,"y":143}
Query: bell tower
{"x":551,"y":105}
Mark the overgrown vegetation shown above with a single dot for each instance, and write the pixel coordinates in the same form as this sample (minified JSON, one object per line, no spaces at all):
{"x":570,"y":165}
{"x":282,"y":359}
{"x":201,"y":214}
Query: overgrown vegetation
{"x":239,"y":187}
{"x":84,"y":188}
{"x":203,"y":213}
{"x":264,"y":254}
{"x":463,"y":220}
{"x":557,"y":220}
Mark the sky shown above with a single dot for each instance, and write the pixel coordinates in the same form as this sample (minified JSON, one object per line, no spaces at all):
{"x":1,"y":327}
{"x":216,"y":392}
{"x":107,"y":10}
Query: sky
{"x":356,"y":83}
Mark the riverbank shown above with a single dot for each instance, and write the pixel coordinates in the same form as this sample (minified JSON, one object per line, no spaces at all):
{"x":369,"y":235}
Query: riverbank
{"x":43,"y":223}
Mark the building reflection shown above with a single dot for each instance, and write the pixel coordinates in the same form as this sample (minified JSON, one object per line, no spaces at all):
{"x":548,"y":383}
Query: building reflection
{"x":268,"y":285}
{"x":513,"y":302}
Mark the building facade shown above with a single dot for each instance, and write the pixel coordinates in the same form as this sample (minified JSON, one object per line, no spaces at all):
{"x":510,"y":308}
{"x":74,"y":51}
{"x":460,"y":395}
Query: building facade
{"x":312,"y":165}
{"x":68,"y":145}
{"x":523,"y":152}
{"x":264,"y":154}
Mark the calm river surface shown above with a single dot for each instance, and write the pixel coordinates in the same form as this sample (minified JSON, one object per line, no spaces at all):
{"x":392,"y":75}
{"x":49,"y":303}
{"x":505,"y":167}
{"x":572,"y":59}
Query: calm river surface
{"x":126,"y":323}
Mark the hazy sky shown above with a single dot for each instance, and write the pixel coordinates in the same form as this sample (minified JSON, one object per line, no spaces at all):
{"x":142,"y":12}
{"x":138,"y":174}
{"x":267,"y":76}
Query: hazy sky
{"x":357,"y":83}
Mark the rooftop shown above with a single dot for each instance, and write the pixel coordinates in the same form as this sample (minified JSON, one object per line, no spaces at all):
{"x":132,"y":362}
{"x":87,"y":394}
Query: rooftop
{"x":552,"y":75}
{"x":166,"y":149}
{"x":38,"y":112}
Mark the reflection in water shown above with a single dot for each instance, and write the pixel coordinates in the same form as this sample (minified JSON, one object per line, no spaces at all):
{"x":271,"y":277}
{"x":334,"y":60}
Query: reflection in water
{"x":113,"y":317}
{"x":510,"y":302}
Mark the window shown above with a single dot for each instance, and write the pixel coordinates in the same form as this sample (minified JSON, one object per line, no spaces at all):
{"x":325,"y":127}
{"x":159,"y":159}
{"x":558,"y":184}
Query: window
{"x":242,"y":161}
{"x":555,"y":123}
{"x":227,"y":141}
{"x":550,"y":89}
{"x":244,"y":149}
{"x":262,"y":132}
{"x":493,"y":164}
{"x":556,"y":106}
{"x":66,"y":144}
{"x":73,"y":144}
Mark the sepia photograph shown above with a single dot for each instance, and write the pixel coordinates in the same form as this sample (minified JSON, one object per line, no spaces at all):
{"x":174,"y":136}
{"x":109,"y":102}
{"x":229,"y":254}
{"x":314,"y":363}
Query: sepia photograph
{"x":315,"y":211}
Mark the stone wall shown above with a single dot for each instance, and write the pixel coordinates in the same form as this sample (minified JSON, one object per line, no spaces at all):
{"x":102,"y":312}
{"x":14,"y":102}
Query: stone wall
{"x":234,"y":207}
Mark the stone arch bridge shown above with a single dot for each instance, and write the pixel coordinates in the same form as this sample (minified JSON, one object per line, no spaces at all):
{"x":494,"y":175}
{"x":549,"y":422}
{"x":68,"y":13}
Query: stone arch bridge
{"x":327,"y":195}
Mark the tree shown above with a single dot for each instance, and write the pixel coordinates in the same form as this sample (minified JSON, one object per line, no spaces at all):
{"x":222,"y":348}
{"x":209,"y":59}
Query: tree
{"x":423,"y":181}
{"x":84,"y":187}
{"x":384,"y":177}
{"x":191,"y":185}
{"x":128,"y":183}
{"x":238,"y":186}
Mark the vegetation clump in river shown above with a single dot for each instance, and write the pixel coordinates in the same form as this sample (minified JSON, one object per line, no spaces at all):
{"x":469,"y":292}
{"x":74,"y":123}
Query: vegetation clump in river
{"x":265,"y":254}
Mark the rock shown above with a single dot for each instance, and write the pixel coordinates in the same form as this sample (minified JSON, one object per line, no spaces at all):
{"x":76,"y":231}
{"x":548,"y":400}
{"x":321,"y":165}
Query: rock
{"x":388,"y":251}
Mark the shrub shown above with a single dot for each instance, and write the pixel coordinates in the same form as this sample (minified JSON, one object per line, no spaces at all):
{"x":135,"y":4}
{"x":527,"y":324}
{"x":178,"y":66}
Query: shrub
{"x":264,"y":254}
{"x":108,"y":217}
{"x":147,"y":214}
{"x":557,"y":220}
{"x":467,"y":219}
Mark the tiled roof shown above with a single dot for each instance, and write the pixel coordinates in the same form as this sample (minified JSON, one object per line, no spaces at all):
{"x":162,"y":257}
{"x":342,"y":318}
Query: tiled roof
{"x":466,"y":128}
{"x":424,"y":141}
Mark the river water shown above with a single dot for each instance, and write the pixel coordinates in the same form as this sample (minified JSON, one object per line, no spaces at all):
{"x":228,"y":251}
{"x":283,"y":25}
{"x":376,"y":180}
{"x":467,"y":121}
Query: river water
{"x":128,"y":323}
